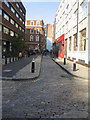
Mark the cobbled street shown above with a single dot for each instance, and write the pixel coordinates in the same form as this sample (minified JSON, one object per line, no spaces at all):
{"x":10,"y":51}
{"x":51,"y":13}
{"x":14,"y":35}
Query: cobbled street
{"x":55,"y":94}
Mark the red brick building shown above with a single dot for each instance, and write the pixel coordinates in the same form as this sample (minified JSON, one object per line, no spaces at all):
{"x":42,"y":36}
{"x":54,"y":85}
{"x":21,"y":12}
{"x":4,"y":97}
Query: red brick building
{"x":35,"y":35}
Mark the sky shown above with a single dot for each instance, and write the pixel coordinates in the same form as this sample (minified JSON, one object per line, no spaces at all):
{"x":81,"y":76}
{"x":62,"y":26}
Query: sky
{"x":41,"y":10}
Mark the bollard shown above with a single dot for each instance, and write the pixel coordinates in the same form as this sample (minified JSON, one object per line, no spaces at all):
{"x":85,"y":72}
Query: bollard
{"x":9,"y":59}
{"x":33,"y":66}
{"x":64,"y":60}
{"x":74,"y":66}
{"x":5,"y":60}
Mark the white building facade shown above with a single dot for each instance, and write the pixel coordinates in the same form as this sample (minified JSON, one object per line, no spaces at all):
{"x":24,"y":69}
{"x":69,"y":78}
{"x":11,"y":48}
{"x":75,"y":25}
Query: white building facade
{"x":73,"y":21}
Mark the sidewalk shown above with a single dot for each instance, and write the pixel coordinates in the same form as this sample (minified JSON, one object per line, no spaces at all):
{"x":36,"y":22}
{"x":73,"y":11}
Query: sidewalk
{"x":25,"y":73}
{"x":81,"y":71}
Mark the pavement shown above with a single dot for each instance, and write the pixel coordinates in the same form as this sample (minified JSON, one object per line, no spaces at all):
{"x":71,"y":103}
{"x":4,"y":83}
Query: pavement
{"x":81,"y":71}
{"x":55,"y":94}
{"x":21,"y":70}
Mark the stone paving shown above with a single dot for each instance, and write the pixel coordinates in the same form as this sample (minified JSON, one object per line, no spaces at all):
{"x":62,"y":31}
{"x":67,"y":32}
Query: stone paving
{"x":55,"y":94}
{"x":81,"y":71}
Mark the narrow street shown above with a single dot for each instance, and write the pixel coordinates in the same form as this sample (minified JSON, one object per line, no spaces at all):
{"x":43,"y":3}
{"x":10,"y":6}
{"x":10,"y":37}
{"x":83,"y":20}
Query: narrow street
{"x":55,"y":94}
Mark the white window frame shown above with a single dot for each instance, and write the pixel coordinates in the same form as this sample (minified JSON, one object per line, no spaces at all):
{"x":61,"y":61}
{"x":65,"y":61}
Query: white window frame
{"x":17,"y":15}
{"x":31,"y":22}
{"x":31,"y":37}
{"x":37,"y":32}
{"x":12,"y":21}
{"x":12,"y":9}
{"x":32,"y":32}
{"x":36,"y":38}
{"x":5,"y":1}
{"x":37,"y":23}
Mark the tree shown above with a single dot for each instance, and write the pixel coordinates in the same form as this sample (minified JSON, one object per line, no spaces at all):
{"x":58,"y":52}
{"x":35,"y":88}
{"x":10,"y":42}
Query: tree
{"x":18,"y":45}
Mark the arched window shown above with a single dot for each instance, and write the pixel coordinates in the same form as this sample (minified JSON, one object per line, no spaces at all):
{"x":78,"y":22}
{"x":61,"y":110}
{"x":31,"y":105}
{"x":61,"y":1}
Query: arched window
{"x":31,"y":38}
{"x":37,"y":31}
{"x":31,"y":31}
{"x":37,"y":38}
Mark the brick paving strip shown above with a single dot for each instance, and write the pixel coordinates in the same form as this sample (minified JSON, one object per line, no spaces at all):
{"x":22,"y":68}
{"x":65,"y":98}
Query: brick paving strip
{"x":25,"y":73}
{"x":81,"y":71}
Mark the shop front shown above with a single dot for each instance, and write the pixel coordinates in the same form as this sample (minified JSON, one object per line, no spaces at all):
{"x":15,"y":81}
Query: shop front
{"x":60,"y":43}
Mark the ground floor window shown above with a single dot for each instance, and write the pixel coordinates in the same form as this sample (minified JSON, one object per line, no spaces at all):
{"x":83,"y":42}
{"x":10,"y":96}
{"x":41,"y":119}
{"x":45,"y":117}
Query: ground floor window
{"x":83,"y":40}
{"x":31,"y":47}
{"x":70,"y":39}
{"x":75,"y":42}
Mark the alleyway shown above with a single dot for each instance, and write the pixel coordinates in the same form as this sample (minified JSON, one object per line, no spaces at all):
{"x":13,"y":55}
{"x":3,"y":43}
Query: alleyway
{"x":55,"y":94}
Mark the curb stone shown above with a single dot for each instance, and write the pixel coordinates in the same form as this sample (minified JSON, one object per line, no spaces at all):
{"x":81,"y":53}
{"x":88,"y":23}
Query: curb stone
{"x":18,"y":79}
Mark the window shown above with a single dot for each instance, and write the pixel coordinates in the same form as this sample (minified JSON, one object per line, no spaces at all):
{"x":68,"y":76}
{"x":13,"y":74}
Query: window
{"x":0,"y":11}
{"x":70,"y":43}
{"x":31,"y":38}
{"x":20,"y":28}
{"x":37,"y":31}
{"x":17,"y":5}
{"x":23,"y":14}
{"x":12,"y":21}
{"x":12,"y":9}
{"x":20,"y":19}
{"x":5,"y":1}
{"x":17,"y":15}
{"x":21,"y":10}
{"x":75,"y":41}
{"x":31,"y":31}
{"x":23,"y":22}
{"x":16,"y":35}
{"x":31,"y":47}
{"x":11,"y":33}
{"x":16,"y":25}
{"x":32,"y":23}
{"x":5,"y":30}
{"x":38,"y":22}
{"x":37,"y":38}
{"x":83,"y":40}
{"x":6,"y":16}
{"x":0,"y":27}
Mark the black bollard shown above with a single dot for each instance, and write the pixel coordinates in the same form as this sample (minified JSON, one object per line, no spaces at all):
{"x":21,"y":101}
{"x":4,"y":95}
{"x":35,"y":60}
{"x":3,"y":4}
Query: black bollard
{"x":33,"y":66}
{"x":9,"y":59}
{"x":64,"y":61}
{"x":5,"y":60}
{"x":74,"y":66}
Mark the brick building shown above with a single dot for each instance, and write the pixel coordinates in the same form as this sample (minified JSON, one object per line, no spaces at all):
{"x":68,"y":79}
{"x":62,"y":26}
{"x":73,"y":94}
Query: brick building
{"x":12,"y":23}
{"x":35,"y":35}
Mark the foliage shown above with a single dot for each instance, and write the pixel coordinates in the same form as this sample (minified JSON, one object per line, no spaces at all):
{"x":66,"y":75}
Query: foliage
{"x":18,"y":44}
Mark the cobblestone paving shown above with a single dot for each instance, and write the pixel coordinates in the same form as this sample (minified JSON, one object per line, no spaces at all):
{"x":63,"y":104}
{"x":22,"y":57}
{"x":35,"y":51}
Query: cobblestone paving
{"x":55,"y":94}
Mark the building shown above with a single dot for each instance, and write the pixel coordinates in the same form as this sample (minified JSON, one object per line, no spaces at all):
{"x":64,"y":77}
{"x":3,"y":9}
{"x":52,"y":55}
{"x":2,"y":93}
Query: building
{"x":72,"y":30}
{"x":35,"y":35}
{"x":49,"y":31}
{"x":12,"y":23}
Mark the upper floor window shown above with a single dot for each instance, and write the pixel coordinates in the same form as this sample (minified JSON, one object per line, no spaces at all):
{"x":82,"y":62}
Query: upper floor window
{"x":0,"y":27}
{"x":6,"y":16}
{"x":5,"y":1}
{"x":16,"y":35}
{"x":37,"y":38}
{"x":23,"y":14}
{"x":37,"y":31}
{"x":0,"y":11}
{"x":16,"y":25}
{"x":17,"y":5}
{"x":23,"y":22}
{"x":20,"y":10}
{"x":20,"y":19}
{"x":38,"y":23}
{"x":17,"y":15}
{"x":5,"y":30}
{"x":22,"y":30}
{"x":12,"y":21}
{"x":11,"y":33}
{"x":12,"y":9}
{"x":31,"y":31}
{"x":31,"y":38}
{"x":32,"y":22}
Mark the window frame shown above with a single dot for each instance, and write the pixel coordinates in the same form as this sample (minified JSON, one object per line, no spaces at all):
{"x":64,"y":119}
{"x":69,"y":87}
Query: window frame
{"x":31,"y":38}
{"x":36,"y":38}
{"x":31,"y":32}
{"x":31,"y":22}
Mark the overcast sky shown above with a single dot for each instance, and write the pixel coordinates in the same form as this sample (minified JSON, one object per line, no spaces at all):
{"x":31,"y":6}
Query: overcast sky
{"x":41,"y":10}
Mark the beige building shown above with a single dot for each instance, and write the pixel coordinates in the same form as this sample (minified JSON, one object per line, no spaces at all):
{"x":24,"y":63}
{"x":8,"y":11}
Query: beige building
{"x":73,"y":21}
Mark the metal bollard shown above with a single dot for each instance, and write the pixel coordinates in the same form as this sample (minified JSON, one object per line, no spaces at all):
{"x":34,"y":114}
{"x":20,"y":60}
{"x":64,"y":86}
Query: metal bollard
{"x":64,"y":60}
{"x":33,"y":66}
{"x":5,"y":60}
{"x":74,"y":66}
{"x":9,"y":59}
